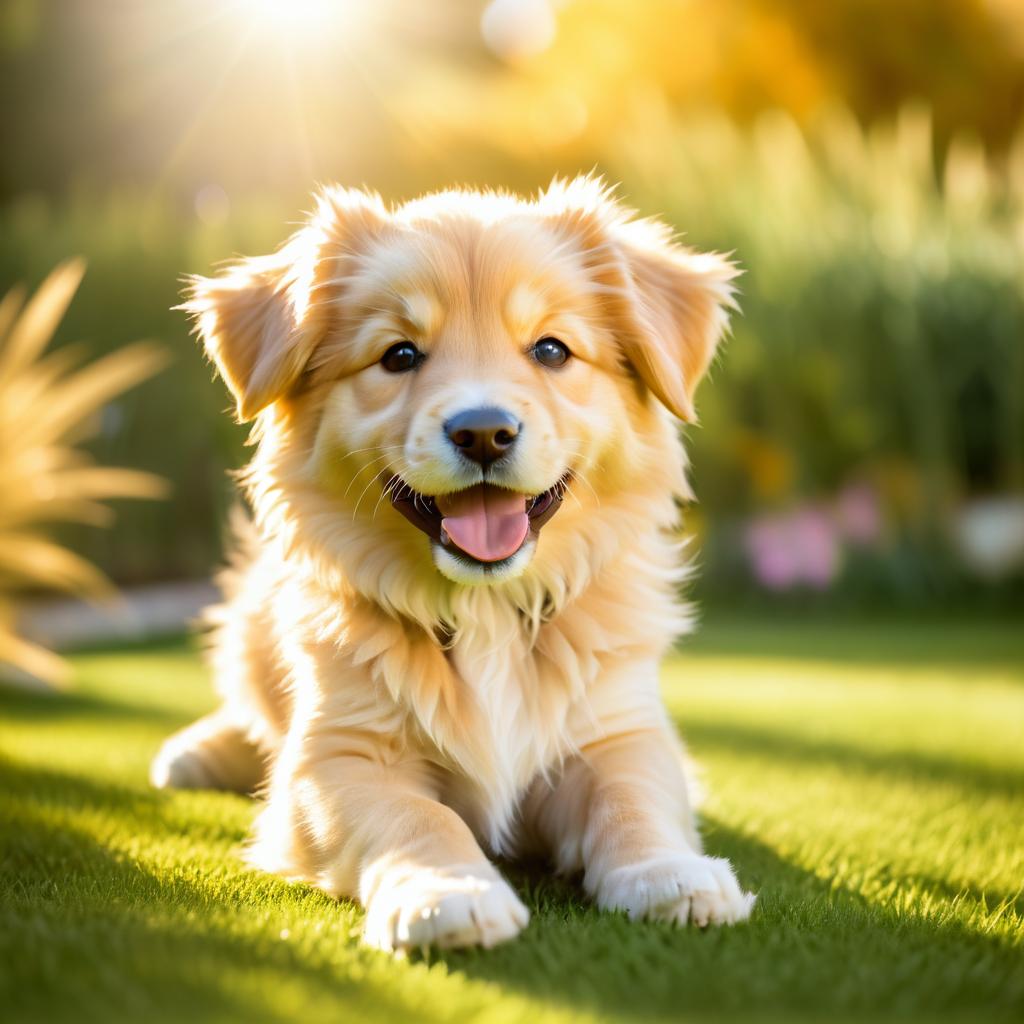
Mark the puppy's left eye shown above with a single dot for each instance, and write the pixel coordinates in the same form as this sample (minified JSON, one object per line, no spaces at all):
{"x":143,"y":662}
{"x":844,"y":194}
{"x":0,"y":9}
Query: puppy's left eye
{"x":551,"y":352}
{"x":402,"y":357}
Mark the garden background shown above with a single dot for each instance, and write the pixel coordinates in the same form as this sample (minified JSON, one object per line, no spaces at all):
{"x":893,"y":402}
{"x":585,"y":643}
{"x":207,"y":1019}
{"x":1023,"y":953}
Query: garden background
{"x":862,"y":434}
{"x":854,"y":694}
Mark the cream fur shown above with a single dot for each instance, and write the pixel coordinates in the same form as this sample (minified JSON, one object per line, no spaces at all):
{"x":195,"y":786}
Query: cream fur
{"x":407,"y":716}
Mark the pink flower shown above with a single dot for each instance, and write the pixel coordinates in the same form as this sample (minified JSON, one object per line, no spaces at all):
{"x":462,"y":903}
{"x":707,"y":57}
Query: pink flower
{"x":816,"y":539}
{"x":859,"y":514}
{"x":799,"y":547}
{"x":772,"y":555}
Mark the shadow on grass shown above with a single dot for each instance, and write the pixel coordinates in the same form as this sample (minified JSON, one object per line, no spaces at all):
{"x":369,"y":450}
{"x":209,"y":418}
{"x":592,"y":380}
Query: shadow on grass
{"x":779,"y":747}
{"x":40,"y":793}
{"x":925,"y":643}
{"x":60,"y":707}
{"x":810,"y":952}
{"x":89,"y":933}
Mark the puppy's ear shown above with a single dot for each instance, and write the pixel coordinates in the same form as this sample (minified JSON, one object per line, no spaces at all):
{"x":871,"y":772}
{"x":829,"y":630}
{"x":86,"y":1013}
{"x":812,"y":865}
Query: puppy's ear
{"x":262,"y":318}
{"x":680,"y":303}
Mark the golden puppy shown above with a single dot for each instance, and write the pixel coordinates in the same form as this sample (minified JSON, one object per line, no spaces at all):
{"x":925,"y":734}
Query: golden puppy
{"x":441,"y":640}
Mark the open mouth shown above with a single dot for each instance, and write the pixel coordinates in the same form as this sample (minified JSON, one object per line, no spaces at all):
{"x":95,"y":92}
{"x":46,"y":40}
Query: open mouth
{"x":484,"y":524}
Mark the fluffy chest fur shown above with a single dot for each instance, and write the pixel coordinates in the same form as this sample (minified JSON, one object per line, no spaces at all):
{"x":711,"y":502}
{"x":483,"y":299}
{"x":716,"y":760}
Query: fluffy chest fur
{"x":522,"y":705}
{"x":510,"y":695}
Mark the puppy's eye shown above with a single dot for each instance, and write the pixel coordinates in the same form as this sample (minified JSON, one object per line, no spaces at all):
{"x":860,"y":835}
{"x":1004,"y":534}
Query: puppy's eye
{"x":551,"y":352}
{"x":401,"y":357}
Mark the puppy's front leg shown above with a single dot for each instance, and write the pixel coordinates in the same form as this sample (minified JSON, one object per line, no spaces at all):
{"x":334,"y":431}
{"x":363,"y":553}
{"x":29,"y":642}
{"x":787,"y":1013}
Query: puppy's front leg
{"x":358,"y":817}
{"x":620,"y":811}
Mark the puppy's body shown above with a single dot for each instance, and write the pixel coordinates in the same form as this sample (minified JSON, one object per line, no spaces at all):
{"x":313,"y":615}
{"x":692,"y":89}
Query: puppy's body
{"x":414,"y":703}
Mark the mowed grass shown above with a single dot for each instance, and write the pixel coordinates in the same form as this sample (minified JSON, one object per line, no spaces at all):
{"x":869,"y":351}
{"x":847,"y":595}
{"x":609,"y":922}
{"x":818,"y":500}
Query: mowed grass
{"x":866,"y":780}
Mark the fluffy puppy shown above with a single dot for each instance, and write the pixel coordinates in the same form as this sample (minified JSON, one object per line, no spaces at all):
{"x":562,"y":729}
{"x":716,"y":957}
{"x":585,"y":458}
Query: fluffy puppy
{"x":441,"y":634}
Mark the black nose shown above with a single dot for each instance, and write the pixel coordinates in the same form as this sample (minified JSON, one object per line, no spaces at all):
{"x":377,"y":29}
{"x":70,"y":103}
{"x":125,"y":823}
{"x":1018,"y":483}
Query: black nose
{"x":483,"y":435}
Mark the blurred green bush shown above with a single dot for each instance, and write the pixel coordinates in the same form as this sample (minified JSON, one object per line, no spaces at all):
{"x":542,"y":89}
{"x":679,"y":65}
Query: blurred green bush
{"x":881,"y":343}
{"x":136,"y":253}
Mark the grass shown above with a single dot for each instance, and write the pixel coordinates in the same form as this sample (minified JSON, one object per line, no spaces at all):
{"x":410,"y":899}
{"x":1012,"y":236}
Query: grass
{"x":867,"y":780}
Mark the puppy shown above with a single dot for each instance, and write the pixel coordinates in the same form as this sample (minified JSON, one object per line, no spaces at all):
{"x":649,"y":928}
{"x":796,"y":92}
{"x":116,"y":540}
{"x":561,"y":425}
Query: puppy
{"x":441,"y":634}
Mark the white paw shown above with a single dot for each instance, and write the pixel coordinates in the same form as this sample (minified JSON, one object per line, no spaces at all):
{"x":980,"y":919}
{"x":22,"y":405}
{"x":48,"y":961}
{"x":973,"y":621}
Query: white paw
{"x":462,"y":906}
{"x":678,"y":887}
{"x":179,"y":767}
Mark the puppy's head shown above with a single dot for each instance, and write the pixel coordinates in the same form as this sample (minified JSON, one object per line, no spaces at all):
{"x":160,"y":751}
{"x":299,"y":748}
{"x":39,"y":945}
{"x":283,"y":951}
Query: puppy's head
{"x":456,"y":373}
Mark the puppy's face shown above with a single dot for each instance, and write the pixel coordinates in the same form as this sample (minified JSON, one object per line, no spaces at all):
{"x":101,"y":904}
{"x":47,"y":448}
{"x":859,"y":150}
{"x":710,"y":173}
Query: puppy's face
{"x":473,"y":365}
{"x":475,"y":382}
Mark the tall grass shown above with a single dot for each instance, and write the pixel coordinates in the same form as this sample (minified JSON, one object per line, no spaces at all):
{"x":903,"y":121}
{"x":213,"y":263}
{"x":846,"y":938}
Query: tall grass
{"x":137,"y":250}
{"x":48,"y":404}
{"x":882,"y":335}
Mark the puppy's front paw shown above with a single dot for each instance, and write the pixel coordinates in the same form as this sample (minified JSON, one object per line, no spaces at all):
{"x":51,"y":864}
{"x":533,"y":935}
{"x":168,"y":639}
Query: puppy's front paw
{"x":679,"y":887}
{"x":462,"y":906}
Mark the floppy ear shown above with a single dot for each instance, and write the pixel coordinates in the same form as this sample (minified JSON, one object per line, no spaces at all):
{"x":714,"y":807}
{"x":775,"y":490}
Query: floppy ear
{"x":680,"y":304}
{"x":262,"y":318}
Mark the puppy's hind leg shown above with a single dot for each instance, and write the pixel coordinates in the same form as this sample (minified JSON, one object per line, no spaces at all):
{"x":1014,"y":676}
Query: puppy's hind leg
{"x":211,"y":753}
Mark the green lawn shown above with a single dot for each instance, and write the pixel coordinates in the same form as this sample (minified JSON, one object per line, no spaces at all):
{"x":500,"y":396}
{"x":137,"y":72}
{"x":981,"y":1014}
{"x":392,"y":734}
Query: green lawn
{"x":867,"y":781}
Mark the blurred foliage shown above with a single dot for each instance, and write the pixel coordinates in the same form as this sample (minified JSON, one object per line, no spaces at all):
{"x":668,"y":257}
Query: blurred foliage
{"x":882,"y":335}
{"x":47,"y":407}
{"x":880,"y":345}
{"x":173,"y":94}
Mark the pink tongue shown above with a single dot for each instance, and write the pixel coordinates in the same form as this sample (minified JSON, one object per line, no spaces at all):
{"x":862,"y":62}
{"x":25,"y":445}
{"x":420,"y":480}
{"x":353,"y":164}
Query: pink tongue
{"x":486,"y":522}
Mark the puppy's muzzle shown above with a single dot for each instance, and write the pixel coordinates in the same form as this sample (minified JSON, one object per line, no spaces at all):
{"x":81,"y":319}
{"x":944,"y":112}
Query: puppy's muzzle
{"x":483,"y":435}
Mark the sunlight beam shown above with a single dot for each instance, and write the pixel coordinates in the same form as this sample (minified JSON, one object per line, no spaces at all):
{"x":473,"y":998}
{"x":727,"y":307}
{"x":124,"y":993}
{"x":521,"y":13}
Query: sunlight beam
{"x":300,"y":20}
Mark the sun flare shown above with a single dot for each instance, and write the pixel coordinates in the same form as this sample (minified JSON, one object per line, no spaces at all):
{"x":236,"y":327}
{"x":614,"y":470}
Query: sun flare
{"x":299,"y":19}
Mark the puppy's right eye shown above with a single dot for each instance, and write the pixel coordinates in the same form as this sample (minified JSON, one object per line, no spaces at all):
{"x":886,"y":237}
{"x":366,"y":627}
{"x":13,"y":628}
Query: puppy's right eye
{"x":402,"y":357}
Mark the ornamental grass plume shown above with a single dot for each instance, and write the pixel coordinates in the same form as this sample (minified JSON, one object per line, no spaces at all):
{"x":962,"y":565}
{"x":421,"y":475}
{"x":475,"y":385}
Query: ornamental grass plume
{"x":49,"y":404}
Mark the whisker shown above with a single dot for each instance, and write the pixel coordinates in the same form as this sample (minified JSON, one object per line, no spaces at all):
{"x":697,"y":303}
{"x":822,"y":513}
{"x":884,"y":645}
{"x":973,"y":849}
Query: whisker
{"x":369,"y":465}
{"x":362,"y":494}
{"x":373,"y":448}
{"x":583,"y":479}
{"x":579,"y":474}
{"x":568,"y":490}
{"x":385,"y":492}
